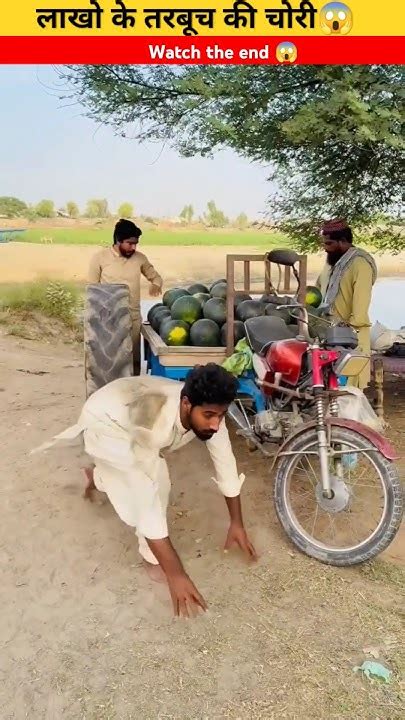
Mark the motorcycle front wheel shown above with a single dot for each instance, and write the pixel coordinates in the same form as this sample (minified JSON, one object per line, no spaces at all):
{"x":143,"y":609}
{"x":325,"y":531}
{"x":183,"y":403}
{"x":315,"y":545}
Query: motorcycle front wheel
{"x":365,"y":511}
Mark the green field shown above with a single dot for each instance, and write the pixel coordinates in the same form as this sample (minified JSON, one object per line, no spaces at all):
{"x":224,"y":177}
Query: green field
{"x":103,"y":236}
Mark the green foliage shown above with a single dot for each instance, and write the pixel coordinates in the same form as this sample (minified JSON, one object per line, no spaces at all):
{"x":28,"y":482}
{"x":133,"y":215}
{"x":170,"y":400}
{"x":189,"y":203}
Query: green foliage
{"x":30,"y":214}
{"x":214,"y":217}
{"x":332,"y":135}
{"x":126,"y":210}
{"x":12,"y":207}
{"x":187,"y":214}
{"x":97,"y":209}
{"x":72,"y":209}
{"x":45,"y":209}
{"x":242,"y":221}
{"x":158,"y":237}
{"x":53,"y":299}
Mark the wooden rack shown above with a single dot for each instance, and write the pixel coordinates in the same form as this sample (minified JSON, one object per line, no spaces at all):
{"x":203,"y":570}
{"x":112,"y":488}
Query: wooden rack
{"x":284,"y":289}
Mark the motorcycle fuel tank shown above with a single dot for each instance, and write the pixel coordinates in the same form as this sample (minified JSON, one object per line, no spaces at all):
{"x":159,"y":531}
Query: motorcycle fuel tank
{"x":285,"y":357}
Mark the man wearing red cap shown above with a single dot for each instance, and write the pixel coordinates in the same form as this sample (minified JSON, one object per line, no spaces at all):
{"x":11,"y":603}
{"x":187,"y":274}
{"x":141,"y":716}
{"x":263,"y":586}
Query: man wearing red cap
{"x":346,"y":284}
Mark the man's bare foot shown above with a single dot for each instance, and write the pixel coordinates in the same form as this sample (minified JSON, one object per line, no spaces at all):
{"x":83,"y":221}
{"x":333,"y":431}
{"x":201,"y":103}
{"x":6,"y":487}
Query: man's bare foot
{"x":90,"y":486}
{"x":155,"y":572}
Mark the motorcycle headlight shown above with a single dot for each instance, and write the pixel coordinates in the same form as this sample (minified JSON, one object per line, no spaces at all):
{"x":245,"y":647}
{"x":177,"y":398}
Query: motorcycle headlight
{"x":351,"y":364}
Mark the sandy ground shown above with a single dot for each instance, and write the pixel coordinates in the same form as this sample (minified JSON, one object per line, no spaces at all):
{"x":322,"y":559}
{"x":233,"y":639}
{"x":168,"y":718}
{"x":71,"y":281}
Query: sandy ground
{"x":21,"y":262}
{"x":85,"y":635}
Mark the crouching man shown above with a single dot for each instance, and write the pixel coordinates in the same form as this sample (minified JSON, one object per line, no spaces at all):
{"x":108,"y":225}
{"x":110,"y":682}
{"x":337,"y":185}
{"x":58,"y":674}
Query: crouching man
{"x":128,"y":426}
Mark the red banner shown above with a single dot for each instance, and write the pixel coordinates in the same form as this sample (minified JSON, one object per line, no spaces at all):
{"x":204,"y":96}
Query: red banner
{"x":203,"y":50}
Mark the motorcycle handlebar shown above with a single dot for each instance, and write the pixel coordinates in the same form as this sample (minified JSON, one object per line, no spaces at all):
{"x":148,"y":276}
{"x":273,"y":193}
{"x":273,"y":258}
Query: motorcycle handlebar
{"x":304,"y":319}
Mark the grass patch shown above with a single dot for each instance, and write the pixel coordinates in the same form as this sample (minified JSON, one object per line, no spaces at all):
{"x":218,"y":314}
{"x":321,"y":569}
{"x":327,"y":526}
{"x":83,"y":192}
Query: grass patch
{"x":383,"y":572}
{"x":59,"y":300}
{"x":103,"y":236}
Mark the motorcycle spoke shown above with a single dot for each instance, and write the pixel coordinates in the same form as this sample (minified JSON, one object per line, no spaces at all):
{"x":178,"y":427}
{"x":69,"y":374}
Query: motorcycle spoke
{"x":332,"y":524}
{"x":350,"y":523}
{"x":315,"y":518}
{"x":308,"y":475}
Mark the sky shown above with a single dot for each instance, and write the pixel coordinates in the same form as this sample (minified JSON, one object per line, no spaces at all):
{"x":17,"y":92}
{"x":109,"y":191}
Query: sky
{"x":51,"y":151}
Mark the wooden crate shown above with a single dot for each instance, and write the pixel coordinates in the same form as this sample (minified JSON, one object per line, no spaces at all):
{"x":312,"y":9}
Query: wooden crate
{"x":181,"y":356}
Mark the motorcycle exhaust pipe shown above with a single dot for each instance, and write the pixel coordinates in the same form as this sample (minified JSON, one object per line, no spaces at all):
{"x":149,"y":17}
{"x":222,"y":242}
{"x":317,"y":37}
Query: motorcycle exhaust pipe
{"x":238,"y":417}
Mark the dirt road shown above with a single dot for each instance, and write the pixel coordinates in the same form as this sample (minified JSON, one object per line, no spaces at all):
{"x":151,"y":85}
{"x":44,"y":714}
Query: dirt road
{"x":84,"y":634}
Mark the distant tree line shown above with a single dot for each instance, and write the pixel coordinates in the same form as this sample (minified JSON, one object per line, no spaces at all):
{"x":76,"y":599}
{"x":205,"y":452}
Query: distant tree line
{"x":97,"y":209}
{"x":11,"y":207}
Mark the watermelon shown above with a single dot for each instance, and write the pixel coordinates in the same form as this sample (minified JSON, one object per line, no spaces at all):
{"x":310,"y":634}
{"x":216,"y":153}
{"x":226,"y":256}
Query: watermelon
{"x":313,"y":296}
{"x":216,"y":283}
{"x":315,"y":311}
{"x":160,"y":314}
{"x":198,"y":288}
{"x":175,"y":332}
{"x":171,"y":295}
{"x":219,"y":290}
{"x":152,"y":311}
{"x":205,"y":333}
{"x":248,"y":309}
{"x":238,"y":332}
{"x":240,"y":296}
{"x":186,"y":308}
{"x":202,"y":297}
{"x":283,"y":313}
{"x":215,"y":309}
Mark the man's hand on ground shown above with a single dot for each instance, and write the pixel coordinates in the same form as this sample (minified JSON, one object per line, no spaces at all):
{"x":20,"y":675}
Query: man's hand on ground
{"x":185,"y":597}
{"x":237,"y":535}
{"x":155,"y":290}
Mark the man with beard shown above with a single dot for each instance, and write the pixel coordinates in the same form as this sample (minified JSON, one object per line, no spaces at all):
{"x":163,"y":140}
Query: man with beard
{"x":123,"y":264}
{"x":128,"y":427}
{"x":346,"y":284}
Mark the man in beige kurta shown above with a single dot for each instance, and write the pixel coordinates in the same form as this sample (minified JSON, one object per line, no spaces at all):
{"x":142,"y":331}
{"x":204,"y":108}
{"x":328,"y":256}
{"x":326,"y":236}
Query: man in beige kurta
{"x":124,"y":264}
{"x":346,"y":283}
{"x":128,"y":427}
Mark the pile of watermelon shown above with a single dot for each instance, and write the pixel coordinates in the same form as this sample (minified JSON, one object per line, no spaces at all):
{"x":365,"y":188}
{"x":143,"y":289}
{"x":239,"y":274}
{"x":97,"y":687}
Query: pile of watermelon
{"x":197,"y":315}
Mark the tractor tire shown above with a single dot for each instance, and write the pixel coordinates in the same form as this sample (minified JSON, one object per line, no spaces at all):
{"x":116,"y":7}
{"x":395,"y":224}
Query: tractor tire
{"x":107,"y":335}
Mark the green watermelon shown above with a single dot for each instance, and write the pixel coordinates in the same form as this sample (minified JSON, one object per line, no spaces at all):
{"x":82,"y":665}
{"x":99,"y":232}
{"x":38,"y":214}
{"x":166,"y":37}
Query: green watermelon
{"x":283,"y":313}
{"x":215,"y":309}
{"x":198,"y":288}
{"x":313,"y":296}
{"x":248,"y":309}
{"x":153,"y":310}
{"x":238,"y":332}
{"x":160,"y":314}
{"x":271,"y":297}
{"x":216,"y":283}
{"x":219,"y":290}
{"x":175,"y":332}
{"x":172,"y":295}
{"x":205,"y":333}
{"x":240,"y":296}
{"x":202,"y":297}
{"x":186,"y":308}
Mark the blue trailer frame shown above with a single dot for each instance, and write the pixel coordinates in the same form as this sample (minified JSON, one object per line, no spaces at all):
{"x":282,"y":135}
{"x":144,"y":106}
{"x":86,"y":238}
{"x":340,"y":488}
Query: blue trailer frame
{"x":246,"y":383}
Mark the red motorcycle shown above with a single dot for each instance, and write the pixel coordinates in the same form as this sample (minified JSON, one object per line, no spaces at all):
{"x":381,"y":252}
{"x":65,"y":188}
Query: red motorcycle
{"x":337,"y":490}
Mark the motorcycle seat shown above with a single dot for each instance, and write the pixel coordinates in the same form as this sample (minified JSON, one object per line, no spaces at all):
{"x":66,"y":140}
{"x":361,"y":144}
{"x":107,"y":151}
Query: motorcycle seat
{"x":283,"y":256}
{"x":262,"y":331}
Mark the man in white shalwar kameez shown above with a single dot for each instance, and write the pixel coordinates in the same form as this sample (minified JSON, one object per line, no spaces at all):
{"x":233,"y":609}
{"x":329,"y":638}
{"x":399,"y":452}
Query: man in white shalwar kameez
{"x":128,"y":426}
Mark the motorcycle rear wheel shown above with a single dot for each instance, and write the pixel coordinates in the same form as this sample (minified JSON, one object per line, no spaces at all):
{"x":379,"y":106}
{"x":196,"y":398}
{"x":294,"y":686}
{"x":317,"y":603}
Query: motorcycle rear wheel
{"x":342,"y":507}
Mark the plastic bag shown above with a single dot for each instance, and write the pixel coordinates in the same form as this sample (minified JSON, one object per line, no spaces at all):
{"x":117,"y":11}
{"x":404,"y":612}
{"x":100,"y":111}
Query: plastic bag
{"x":240,"y":360}
{"x":353,"y":405}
